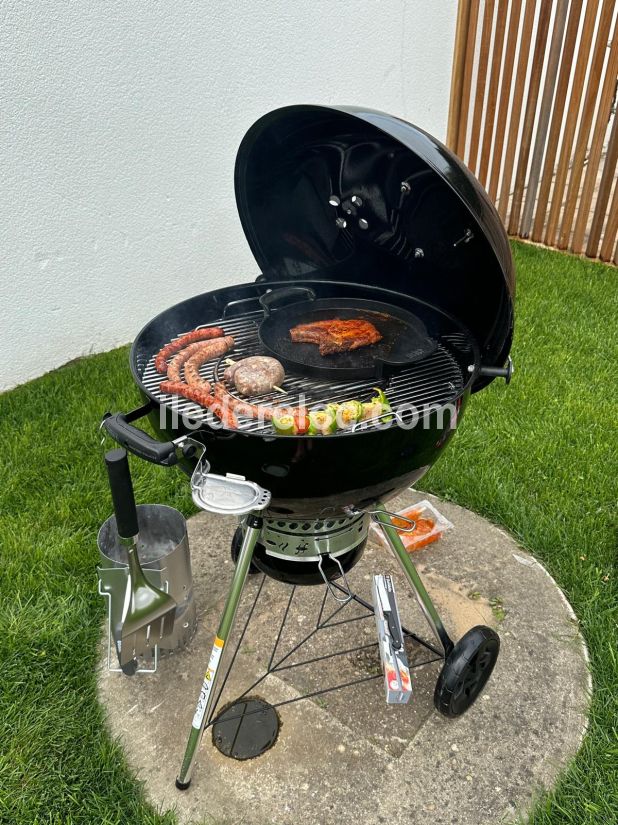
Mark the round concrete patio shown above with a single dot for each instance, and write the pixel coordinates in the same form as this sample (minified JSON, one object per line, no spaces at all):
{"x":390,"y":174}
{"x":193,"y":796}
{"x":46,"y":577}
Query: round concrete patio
{"x":347,"y":755}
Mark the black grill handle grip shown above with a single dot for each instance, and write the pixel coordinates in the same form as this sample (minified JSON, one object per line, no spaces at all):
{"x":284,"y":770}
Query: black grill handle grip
{"x":270,"y":299}
{"x":136,"y":441}
{"x":505,"y":372}
{"x":121,"y":487}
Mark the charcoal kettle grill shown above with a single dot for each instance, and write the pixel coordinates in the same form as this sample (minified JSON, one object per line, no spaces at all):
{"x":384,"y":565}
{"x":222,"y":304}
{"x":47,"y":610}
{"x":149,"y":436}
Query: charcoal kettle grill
{"x":347,"y":206}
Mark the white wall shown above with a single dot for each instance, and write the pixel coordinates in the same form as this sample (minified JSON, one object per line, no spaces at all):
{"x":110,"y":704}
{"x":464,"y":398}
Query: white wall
{"x":119,"y":126}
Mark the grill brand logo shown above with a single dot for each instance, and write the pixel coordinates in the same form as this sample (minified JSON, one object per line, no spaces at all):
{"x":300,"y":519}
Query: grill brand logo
{"x":406,"y":416}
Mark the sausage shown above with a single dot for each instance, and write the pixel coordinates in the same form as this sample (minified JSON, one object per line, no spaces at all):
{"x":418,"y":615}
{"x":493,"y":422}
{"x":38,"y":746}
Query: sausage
{"x":206,"y":352}
{"x":202,"y":396}
{"x":180,"y":343}
{"x":241,"y":407}
{"x":175,"y":365}
{"x":256,"y":375}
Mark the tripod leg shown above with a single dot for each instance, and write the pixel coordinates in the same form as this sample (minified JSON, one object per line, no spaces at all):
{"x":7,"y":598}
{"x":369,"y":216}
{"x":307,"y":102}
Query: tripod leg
{"x":204,"y":702}
{"x":422,"y":596}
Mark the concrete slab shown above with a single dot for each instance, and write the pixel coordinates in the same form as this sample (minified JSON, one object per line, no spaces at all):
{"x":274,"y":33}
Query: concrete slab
{"x":347,"y":755}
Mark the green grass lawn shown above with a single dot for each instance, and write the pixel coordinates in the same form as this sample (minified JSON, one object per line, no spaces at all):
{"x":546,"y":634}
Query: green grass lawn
{"x":539,"y":458}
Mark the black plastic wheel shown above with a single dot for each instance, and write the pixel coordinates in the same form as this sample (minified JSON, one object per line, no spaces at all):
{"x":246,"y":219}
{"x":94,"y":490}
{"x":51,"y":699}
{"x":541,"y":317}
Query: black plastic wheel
{"x":466,"y":671}
{"x":235,"y":550}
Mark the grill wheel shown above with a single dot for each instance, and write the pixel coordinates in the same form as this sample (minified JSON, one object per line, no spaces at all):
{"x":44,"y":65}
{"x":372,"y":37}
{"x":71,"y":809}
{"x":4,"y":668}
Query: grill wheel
{"x":466,"y":671}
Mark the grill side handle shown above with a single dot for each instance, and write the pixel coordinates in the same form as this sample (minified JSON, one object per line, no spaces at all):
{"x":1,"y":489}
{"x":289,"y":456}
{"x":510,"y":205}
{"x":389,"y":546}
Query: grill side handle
{"x":297,"y":293}
{"x":505,"y":372}
{"x":136,"y":441}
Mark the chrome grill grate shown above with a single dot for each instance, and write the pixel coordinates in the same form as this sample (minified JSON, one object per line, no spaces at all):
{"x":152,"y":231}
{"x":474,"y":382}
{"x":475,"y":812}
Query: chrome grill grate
{"x":436,"y":380}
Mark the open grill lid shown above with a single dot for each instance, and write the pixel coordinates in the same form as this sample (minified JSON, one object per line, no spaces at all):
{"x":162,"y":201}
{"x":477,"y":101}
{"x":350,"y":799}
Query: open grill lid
{"x":352,"y":194}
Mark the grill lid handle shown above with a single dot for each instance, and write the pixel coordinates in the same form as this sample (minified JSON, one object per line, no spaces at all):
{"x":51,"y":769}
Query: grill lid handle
{"x":137,"y":441}
{"x":269,"y":299}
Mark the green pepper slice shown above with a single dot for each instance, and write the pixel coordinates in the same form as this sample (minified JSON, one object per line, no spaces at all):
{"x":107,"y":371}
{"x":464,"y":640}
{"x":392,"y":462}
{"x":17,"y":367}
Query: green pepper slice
{"x":349,"y":413}
{"x":377,"y":406}
{"x":322,"y":422}
{"x":371,"y":410}
{"x":284,"y":424}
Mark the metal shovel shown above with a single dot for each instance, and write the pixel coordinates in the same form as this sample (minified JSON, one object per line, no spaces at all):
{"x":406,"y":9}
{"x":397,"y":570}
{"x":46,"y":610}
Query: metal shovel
{"x":146,"y":610}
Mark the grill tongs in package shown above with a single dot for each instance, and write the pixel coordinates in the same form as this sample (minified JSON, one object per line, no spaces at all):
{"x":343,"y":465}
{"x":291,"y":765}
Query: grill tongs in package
{"x":391,"y":641}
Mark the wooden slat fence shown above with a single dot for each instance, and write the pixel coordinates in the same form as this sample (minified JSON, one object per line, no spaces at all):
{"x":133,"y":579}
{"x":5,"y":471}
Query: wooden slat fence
{"x":533,"y":114}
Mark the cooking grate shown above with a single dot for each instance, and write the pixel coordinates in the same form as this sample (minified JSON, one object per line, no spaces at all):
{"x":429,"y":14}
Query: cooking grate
{"x":434,"y":381}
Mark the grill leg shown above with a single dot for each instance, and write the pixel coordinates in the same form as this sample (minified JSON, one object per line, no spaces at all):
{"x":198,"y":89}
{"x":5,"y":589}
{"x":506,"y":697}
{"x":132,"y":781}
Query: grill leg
{"x":204,"y":702}
{"x":422,"y":596}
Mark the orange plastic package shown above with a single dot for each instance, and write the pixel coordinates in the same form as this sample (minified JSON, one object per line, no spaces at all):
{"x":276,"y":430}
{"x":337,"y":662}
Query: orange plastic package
{"x":429,"y":526}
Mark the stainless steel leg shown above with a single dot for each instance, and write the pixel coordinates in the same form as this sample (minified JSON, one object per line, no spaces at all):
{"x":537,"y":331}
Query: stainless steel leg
{"x":204,"y":702}
{"x":422,"y":596}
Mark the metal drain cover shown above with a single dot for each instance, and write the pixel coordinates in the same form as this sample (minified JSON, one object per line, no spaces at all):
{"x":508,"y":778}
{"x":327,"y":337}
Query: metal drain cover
{"x":246,"y":729}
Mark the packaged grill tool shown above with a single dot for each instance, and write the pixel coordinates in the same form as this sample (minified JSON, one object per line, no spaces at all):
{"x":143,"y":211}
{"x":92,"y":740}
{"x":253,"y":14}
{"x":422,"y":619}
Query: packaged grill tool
{"x":390,"y":642}
{"x":429,"y":525}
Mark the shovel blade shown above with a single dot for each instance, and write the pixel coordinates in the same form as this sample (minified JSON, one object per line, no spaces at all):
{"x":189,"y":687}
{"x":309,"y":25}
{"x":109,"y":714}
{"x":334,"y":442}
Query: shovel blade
{"x":167,"y":624}
{"x":126,"y":650}
{"x":149,"y":618}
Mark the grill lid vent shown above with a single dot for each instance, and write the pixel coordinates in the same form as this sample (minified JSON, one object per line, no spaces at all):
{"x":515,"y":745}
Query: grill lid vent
{"x":357,"y":195}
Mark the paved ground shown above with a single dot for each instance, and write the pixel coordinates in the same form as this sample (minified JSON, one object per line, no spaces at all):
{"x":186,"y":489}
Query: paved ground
{"x":346,"y":756}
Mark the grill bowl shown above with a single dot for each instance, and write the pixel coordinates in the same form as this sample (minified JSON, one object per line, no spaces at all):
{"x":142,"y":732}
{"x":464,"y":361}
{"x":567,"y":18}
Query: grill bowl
{"x":318,"y":475}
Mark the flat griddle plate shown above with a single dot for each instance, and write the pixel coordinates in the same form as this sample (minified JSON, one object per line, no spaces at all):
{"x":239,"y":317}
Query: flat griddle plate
{"x":405,"y":339}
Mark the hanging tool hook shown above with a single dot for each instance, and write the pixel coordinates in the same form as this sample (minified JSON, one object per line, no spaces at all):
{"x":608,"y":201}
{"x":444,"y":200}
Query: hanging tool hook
{"x":328,"y":584}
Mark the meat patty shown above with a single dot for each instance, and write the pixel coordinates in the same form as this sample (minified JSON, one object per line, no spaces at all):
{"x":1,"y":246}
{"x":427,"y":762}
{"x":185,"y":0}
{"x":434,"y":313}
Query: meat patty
{"x":255,"y":375}
{"x":336,"y":335}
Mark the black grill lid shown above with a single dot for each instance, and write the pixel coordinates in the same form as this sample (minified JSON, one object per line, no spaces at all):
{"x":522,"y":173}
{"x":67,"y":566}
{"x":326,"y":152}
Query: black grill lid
{"x":352,"y":194}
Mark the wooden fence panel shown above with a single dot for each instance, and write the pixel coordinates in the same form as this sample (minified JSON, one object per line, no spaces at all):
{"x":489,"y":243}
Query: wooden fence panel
{"x":516,"y":107}
{"x":459,"y":67}
{"x":534,"y":84}
{"x":596,"y":147}
{"x":462,"y":125}
{"x":608,"y":178}
{"x":557,"y":118}
{"x":533,"y":114}
{"x":505,"y":96}
{"x":482,"y":72}
{"x":492,"y":94}
{"x":544,"y":115}
{"x":572,"y":115}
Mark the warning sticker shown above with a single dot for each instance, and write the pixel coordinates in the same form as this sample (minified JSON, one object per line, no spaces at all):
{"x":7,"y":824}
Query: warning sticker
{"x":209,"y":677}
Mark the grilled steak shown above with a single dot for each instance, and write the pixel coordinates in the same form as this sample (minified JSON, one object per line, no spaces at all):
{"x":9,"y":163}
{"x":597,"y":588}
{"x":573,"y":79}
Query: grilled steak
{"x":336,"y":335}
